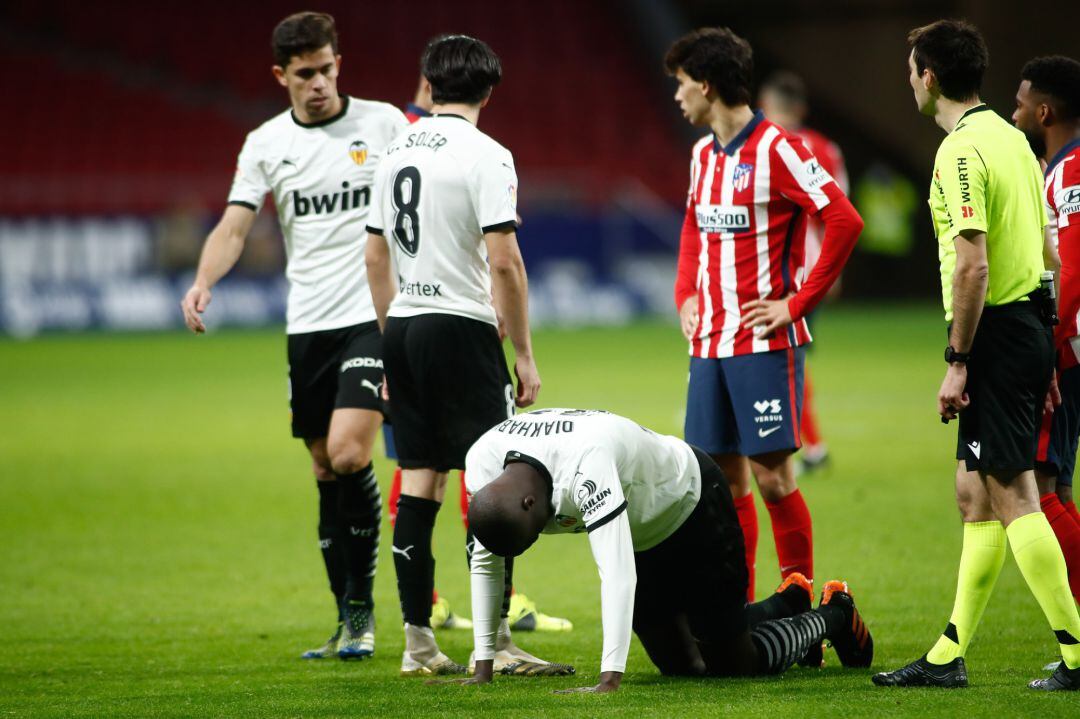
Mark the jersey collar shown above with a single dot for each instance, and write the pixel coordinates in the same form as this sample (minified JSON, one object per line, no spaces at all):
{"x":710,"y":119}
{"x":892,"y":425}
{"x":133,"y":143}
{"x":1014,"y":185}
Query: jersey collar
{"x":417,"y":110}
{"x":323,"y":123}
{"x":1061,"y":156}
{"x":739,"y":140}
{"x":981,"y":107}
{"x":448,"y":114}
{"x":514,"y":456}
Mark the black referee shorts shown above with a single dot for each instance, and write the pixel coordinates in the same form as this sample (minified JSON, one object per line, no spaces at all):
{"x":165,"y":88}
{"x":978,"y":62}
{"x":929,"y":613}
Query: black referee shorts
{"x":1012,"y":361}
{"x":448,"y":385}
{"x":700,"y":570}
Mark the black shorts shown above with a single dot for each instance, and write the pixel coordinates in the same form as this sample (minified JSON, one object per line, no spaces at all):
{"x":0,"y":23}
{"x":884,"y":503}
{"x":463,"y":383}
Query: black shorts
{"x":448,"y":385}
{"x":700,"y":570}
{"x":333,"y":369}
{"x":1012,"y":360}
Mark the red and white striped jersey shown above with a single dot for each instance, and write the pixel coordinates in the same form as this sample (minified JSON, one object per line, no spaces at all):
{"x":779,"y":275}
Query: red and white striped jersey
{"x":1063,"y":208}
{"x":743,"y":237}
{"x":832,"y":160}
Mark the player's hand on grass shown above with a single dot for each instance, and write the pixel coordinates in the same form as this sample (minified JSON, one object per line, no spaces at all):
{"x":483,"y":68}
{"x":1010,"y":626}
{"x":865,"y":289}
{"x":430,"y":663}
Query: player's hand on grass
{"x":951,"y":397}
{"x":193,"y":305}
{"x":528,"y":381}
{"x":609,"y":682}
{"x":766,"y":316}
{"x":688,"y":318}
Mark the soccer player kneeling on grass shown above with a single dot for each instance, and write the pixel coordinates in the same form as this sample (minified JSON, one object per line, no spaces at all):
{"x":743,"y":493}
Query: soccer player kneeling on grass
{"x":665,"y":537}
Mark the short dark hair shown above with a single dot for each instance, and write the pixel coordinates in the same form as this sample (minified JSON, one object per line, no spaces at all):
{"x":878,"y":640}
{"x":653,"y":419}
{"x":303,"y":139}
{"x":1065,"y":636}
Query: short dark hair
{"x":1059,"y":77}
{"x":301,"y":33}
{"x":789,"y":86}
{"x":955,"y":51}
{"x":717,"y":56}
{"x":460,"y":69}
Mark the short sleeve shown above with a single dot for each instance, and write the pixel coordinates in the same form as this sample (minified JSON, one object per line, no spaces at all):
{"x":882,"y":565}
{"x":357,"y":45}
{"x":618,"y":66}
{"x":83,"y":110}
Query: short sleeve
{"x":597,"y":491}
{"x":494,"y":191}
{"x":1065,"y":211}
{"x":962,"y":177}
{"x":249,"y":186}
{"x":375,"y":218}
{"x":800,"y":176}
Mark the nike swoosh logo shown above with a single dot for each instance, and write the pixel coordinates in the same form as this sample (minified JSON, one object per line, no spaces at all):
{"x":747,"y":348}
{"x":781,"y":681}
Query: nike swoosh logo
{"x":766,"y":432}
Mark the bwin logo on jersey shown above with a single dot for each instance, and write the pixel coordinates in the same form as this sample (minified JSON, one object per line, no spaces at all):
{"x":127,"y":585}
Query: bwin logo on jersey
{"x":587,"y":487}
{"x":348,"y":199}
{"x":355,"y":362}
{"x":358,"y":151}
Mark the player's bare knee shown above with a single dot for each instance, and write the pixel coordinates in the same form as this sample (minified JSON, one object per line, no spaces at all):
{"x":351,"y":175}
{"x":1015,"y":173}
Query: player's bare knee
{"x":323,"y":472}
{"x":349,"y":458}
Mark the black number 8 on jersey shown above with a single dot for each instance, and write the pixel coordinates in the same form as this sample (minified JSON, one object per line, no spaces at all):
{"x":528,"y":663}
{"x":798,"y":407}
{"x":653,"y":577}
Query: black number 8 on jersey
{"x":406,"y":219}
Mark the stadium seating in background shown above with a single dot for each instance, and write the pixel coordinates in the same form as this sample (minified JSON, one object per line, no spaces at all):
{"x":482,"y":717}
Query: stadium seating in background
{"x":138,"y":107}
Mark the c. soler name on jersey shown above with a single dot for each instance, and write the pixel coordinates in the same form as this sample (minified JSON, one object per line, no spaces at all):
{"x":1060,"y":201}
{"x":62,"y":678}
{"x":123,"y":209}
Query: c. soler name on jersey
{"x":432,"y":140}
{"x":319,"y":204}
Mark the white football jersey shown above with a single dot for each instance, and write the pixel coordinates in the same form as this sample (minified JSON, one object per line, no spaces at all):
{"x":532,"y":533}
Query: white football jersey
{"x":441,"y":185}
{"x":625,"y":485}
{"x":321,"y":176}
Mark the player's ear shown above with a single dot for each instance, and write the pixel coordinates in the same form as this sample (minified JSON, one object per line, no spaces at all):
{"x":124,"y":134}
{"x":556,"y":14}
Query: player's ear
{"x":528,"y":502}
{"x":929,"y":79}
{"x":337,"y":62}
{"x":279,"y":74}
{"x":487,"y":98}
{"x":1045,"y":113}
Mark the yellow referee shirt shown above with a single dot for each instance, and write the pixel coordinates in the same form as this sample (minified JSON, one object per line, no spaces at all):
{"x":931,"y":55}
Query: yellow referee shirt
{"x":987,"y":179}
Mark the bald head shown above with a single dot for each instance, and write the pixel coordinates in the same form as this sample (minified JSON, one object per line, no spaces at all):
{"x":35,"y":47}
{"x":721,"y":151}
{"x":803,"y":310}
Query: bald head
{"x":508,"y":514}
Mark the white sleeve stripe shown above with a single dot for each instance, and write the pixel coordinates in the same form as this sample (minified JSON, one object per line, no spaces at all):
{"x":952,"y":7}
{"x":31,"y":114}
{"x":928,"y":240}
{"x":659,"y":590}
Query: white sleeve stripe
{"x":795,"y":167}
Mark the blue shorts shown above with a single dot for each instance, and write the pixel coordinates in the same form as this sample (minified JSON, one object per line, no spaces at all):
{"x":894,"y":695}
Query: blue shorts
{"x":749,"y":404}
{"x":1060,"y":431}
{"x":388,"y":441}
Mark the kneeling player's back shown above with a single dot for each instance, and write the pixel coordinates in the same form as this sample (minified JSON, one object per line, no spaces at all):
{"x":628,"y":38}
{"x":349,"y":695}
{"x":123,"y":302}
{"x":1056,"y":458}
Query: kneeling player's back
{"x":442,"y":186}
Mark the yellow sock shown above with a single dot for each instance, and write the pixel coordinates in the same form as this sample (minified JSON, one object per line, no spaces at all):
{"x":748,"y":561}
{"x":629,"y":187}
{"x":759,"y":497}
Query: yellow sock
{"x":980,"y":564}
{"x":1039,"y":557}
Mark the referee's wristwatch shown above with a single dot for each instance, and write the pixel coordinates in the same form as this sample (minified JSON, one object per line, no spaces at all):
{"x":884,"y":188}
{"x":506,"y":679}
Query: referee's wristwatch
{"x":952,"y":355}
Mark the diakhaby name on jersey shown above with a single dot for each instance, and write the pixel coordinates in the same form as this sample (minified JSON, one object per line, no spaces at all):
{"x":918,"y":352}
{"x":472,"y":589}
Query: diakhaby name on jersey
{"x":723,"y":218}
{"x":535,"y":429}
{"x":350,"y":200}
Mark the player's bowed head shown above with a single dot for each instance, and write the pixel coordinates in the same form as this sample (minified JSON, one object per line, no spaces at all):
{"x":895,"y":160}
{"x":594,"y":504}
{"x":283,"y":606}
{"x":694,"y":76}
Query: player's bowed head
{"x":507,"y":515}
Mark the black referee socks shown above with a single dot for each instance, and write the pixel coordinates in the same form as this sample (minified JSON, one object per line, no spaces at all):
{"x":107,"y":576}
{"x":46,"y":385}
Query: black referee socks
{"x":412,"y":557}
{"x":359,"y":513}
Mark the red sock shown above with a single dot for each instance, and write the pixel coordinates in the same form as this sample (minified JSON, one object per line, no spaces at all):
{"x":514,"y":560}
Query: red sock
{"x":810,"y":435}
{"x":395,"y":492}
{"x":464,"y":502}
{"x":793,"y":535}
{"x":744,"y":507}
{"x":1068,"y":535}
{"x":1070,"y":507}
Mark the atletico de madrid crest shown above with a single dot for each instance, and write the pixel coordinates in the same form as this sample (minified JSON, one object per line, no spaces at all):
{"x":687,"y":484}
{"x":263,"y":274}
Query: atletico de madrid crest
{"x":740,"y":178}
{"x":358,"y":152}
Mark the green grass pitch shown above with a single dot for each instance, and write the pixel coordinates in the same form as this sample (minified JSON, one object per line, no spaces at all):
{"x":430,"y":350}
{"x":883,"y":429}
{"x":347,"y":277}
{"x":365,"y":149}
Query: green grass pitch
{"x":158,"y":554}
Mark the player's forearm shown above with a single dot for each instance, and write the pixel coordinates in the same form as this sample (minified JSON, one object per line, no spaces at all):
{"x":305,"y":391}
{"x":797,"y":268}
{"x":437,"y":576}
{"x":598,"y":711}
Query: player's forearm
{"x":380,"y":277}
{"x":510,"y":288}
{"x":487,"y":595}
{"x":842,"y":228}
{"x":220,"y":254}
{"x":687,"y":271}
{"x":970,"y":280}
{"x":613,"y":551}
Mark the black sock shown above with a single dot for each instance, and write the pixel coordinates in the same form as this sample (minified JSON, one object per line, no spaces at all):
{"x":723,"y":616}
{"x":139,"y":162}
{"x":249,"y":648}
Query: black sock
{"x":834,"y":618}
{"x":508,"y":587}
{"x":412,"y":557}
{"x":330,"y":540}
{"x":782,"y":642}
{"x":777,"y":606}
{"x":360,"y":510}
